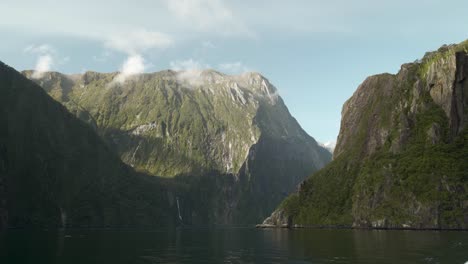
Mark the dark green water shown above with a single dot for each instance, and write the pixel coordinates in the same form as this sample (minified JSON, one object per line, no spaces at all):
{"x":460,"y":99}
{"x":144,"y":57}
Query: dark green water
{"x":233,"y":245}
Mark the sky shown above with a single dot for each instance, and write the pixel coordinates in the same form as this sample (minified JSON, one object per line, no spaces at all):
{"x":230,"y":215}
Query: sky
{"x":315,"y":52}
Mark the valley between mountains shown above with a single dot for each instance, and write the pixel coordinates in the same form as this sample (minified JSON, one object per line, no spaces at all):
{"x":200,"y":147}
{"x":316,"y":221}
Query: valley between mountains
{"x":205,"y":148}
{"x":221,"y":149}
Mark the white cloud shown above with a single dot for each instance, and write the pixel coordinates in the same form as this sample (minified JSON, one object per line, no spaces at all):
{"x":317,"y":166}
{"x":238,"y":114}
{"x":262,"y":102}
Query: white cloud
{"x":189,"y":71}
{"x":233,"y":67}
{"x":208,"y":16}
{"x":134,"y":43}
{"x":44,"y":64}
{"x":134,"y":65}
{"x":47,"y":57}
{"x":329,"y":145}
{"x":192,"y":77}
{"x":189,"y":64}
{"x":39,"y":49}
{"x":93,"y":19}
{"x":137,"y":41}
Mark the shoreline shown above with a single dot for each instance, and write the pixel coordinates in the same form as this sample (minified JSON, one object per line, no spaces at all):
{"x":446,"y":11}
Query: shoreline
{"x":267,"y":226}
{"x":258,"y":226}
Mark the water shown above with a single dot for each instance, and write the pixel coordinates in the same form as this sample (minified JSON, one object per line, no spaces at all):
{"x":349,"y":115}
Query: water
{"x":233,"y":245}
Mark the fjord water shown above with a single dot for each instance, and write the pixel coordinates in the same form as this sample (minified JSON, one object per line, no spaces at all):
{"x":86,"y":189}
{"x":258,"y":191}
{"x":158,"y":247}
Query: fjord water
{"x":233,"y":245}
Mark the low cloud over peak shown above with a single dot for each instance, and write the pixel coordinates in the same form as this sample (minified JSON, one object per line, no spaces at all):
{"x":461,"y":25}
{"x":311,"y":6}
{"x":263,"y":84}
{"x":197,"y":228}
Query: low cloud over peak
{"x":45,"y":60}
{"x":44,"y":64}
{"x":190,"y":70}
{"x":135,"y":64}
{"x":135,"y":43}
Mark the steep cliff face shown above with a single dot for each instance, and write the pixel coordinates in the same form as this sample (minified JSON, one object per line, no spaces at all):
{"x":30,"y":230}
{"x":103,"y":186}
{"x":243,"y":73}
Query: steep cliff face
{"x":401,"y":156}
{"x":199,"y":123}
{"x":55,"y":171}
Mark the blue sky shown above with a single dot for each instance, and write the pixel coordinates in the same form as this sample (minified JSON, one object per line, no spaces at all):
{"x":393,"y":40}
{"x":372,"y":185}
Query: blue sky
{"x":315,"y":52}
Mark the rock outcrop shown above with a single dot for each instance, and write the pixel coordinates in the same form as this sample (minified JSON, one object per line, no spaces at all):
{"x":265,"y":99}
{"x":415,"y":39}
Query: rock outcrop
{"x":201,"y":124}
{"x":278,"y":218}
{"x":401,"y":156}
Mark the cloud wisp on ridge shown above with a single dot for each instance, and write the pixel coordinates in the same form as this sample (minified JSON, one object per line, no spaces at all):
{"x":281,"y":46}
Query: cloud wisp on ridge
{"x":45,"y":60}
{"x":134,"y":44}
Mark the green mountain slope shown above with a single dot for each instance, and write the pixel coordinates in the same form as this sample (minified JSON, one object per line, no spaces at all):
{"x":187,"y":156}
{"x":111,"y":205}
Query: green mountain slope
{"x":199,"y":124}
{"x":401,"y":159}
{"x":56,"y":171}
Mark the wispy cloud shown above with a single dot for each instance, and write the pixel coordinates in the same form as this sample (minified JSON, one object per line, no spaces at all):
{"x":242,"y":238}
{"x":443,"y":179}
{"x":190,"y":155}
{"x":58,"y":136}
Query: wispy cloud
{"x":189,"y":64}
{"x":134,"y":65}
{"x":44,"y":64}
{"x":208,"y":16}
{"x":233,"y":67}
{"x":45,"y":60}
{"x":138,"y":41}
{"x":329,"y":145}
{"x":215,"y":17}
{"x":134,"y":44}
{"x":189,"y":71}
{"x":39,"y":49}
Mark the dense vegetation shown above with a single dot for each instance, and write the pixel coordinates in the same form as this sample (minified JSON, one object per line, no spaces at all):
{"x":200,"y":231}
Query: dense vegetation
{"x":56,"y":171}
{"x":227,"y":146}
{"x":401,"y":159}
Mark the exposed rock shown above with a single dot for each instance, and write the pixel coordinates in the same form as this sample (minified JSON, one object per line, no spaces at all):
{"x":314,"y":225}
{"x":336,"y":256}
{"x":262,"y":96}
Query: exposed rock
{"x":440,"y":78}
{"x":201,"y":123}
{"x":434,"y":133}
{"x":400,"y":159}
{"x":277,"y":219}
{"x":364,"y":97}
{"x":459,"y":113}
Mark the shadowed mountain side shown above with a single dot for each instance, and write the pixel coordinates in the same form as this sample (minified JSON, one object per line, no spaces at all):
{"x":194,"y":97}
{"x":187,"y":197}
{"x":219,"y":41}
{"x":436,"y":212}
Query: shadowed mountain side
{"x":236,"y":126}
{"x":56,"y":171}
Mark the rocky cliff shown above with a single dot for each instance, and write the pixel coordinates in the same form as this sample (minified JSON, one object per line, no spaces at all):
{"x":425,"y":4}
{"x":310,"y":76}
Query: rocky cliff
{"x":230,"y":136}
{"x":55,"y":171}
{"x":402,"y":152}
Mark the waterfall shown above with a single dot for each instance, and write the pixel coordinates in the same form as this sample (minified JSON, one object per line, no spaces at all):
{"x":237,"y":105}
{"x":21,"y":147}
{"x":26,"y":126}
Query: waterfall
{"x":178,"y":208}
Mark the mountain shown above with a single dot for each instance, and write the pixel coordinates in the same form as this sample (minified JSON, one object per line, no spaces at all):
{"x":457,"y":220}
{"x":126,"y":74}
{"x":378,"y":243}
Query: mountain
{"x":401,"y":156}
{"x":230,"y":140}
{"x":55,"y":171}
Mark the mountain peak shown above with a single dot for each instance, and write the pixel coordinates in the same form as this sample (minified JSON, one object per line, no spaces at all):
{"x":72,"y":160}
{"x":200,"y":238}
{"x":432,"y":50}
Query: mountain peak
{"x":195,"y":123}
{"x":400,"y":159}
{"x":240,"y":86}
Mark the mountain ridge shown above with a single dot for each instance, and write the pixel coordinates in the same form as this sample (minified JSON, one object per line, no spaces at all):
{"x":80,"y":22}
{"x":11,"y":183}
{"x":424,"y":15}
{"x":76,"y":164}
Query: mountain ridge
{"x":400,"y":159}
{"x":167,"y":124}
{"x":55,"y":171}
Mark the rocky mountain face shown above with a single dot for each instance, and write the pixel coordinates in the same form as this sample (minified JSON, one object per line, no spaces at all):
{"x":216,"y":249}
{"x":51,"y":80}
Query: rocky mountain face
{"x":55,"y":171}
{"x":401,"y":160}
{"x":230,"y":140}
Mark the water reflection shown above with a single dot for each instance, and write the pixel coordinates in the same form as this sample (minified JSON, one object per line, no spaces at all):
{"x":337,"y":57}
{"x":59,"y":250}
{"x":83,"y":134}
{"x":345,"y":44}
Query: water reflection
{"x":233,"y":245}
